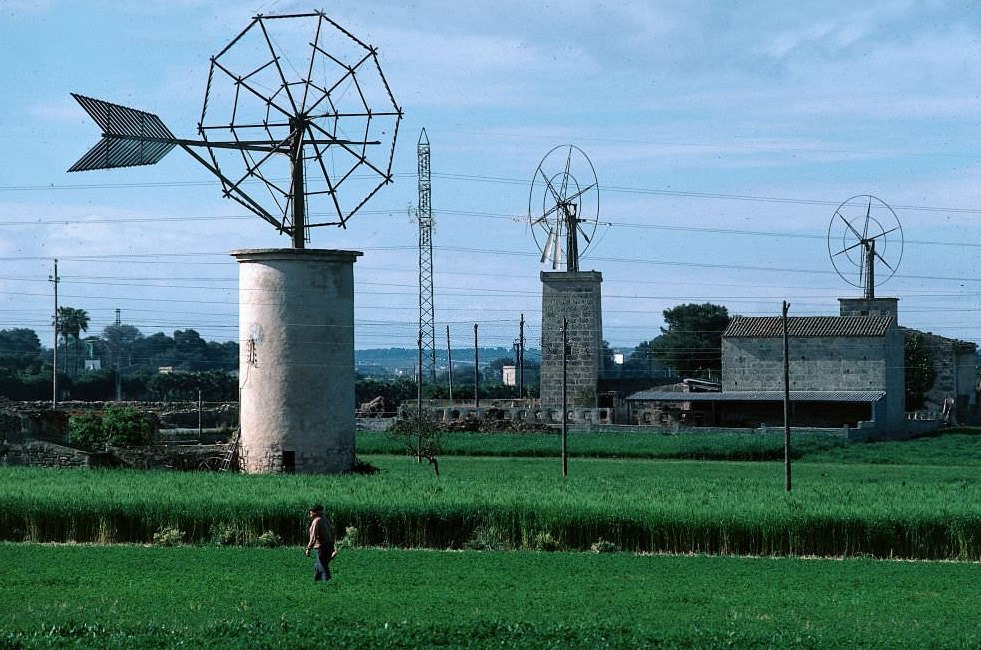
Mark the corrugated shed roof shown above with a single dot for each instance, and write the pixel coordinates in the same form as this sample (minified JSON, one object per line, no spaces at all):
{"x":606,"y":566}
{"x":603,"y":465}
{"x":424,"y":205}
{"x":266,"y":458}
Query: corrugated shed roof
{"x":807,"y":326}
{"x":761,"y":396}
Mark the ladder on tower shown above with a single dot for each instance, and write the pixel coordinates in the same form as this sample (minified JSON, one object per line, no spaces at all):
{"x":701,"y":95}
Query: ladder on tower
{"x":230,"y":458}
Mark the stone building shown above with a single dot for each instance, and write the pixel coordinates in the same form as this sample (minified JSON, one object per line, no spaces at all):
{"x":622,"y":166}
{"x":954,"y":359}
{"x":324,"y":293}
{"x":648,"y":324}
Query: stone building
{"x":844,"y":357}
{"x":954,"y":360}
{"x":576,"y":297}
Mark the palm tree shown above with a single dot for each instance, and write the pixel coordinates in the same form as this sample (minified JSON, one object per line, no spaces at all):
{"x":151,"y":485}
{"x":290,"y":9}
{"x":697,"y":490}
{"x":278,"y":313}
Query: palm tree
{"x":71,"y":323}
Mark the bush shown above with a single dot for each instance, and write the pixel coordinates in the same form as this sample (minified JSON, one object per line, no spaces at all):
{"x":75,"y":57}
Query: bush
{"x":543,"y":541}
{"x":487,"y":538}
{"x":168,"y":536}
{"x":86,"y":430}
{"x":125,"y":425}
{"x":225,"y":535}
{"x":268,"y":539}
{"x":119,"y":426}
{"x":351,"y":538}
{"x":603,"y":546}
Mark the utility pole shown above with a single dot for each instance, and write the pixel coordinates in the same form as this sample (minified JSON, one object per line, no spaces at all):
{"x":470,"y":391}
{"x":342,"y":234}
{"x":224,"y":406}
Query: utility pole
{"x":119,"y":379}
{"x":476,"y":369}
{"x":424,"y":213}
{"x":521,"y":358}
{"x":565,"y":406}
{"x":55,"y":279}
{"x":786,"y":397}
{"x":449,"y":362}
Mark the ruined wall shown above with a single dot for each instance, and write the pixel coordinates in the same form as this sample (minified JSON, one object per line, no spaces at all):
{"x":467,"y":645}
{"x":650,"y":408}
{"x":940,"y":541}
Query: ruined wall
{"x":956,"y":366}
{"x":576,"y":297}
{"x":45,"y":454}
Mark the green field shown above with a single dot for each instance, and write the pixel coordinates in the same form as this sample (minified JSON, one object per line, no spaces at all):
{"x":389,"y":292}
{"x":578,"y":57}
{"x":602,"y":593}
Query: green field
{"x":951,"y":448}
{"x":451,"y":561}
{"x":840,"y":508}
{"x":57,"y":596}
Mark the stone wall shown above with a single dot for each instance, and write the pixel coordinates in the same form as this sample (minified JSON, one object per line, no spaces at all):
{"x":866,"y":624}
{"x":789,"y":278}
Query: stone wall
{"x":956,"y":366}
{"x":819,"y":363}
{"x":21,"y":421}
{"x":576,"y":416}
{"x":576,"y":297}
{"x":46,"y":454}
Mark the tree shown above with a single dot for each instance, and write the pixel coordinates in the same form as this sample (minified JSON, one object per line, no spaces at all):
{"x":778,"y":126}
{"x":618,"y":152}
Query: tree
{"x":691,"y":343}
{"x":920,"y":371}
{"x":20,"y":349}
{"x":190,"y":350}
{"x":120,"y":341}
{"x":120,"y":425}
{"x":71,"y":323}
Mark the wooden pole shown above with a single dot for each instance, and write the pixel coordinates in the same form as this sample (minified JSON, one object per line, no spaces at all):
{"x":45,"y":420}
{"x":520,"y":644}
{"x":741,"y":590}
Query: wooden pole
{"x":54,"y":357}
{"x":476,"y":369}
{"x":565,"y":406}
{"x":449,"y":363}
{"x":521,"y":358}
{"x":786,"y":398}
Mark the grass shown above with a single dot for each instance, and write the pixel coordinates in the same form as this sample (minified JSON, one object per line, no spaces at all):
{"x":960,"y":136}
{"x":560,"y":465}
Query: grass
{"x":835,"y":509}
{"x":956,"y":448}
{"x":690,"y":445}
{"x":147,"y":597}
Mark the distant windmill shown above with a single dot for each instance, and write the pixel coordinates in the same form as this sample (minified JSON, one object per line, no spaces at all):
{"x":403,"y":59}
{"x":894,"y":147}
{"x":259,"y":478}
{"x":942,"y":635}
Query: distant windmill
{"x":865,"y":232}
{"x":286,"y":119}
{"x":563,"y":206}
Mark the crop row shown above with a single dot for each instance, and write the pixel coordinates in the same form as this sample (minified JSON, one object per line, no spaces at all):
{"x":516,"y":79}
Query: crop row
{"x":131,"y":596}
{"x":644,"y":506}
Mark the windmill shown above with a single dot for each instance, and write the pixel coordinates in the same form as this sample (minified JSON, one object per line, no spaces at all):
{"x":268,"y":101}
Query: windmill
{"x":865,"y":232}
{"x":297,"y":114}
{"x":563,"y":209}
{"x":563,"y":206}
{"x":299,"y":126}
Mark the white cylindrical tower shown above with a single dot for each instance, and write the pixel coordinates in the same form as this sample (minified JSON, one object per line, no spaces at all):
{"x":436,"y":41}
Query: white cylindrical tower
{"x":296,"y":368}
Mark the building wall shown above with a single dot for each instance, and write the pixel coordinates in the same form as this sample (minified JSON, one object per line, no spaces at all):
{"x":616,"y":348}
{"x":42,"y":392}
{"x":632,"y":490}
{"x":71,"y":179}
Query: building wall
{"x":577,"y":297}
{"x":820,"y":363}
{"x":956,"y":366}
{"x":864,"y":307}
{"x":823,"y":363}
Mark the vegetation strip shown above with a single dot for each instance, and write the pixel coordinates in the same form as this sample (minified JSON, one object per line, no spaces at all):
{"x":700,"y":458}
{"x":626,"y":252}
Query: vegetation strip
{"x":836,"y":509}
{"x":132,"y":596}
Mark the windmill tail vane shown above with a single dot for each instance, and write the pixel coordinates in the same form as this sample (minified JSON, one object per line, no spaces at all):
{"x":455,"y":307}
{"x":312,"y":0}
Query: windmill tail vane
{"x":130,"y":137}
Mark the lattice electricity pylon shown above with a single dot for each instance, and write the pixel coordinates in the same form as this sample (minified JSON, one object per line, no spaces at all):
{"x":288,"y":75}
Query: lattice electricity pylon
{"x":286,"y":119}
{"x":427,"y":317}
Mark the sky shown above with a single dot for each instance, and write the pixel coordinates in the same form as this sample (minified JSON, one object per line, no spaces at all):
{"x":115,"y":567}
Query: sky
{"x":724,"y":137}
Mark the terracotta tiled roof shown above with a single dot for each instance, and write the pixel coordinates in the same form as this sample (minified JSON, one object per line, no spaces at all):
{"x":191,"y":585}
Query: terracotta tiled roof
{"x":807,"y":326}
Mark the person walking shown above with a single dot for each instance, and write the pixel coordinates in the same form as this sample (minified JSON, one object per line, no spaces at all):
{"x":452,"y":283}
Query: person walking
{"x":322,"y":542}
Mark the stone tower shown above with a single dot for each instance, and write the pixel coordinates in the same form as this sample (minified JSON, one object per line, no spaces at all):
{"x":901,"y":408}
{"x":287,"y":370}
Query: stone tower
{"x":296,"y":369}
{"x":576,"y":296}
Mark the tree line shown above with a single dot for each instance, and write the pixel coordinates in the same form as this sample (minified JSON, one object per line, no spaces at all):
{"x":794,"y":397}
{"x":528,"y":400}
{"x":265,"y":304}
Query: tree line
{"x":121,"y":362}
